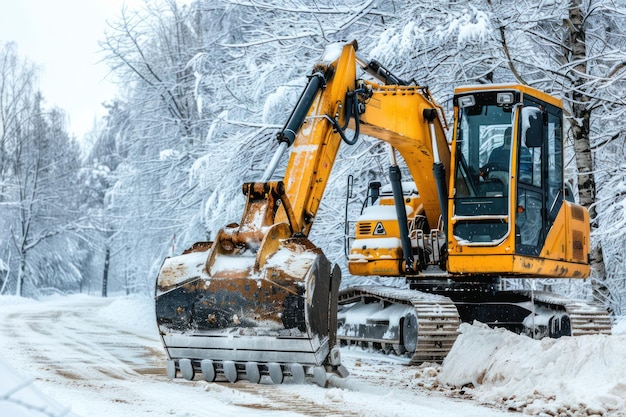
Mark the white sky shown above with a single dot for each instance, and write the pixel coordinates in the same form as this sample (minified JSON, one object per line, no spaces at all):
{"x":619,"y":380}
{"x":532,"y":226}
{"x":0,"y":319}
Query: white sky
{"x":61,"y":36}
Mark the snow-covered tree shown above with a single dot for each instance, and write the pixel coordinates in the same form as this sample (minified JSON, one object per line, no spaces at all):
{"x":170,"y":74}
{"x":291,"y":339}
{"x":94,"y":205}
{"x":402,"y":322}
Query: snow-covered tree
{"x":145,"y":202}
{"x":38,"y":179}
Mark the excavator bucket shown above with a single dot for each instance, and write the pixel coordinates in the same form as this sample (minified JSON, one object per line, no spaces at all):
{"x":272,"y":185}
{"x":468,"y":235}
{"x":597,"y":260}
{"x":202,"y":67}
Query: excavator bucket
{"x":255,"y":302}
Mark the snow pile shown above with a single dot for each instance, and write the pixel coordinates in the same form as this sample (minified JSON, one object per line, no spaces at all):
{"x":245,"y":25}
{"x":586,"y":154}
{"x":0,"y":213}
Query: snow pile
{"x":573,"y":376}
{"x":134,"y":312}
{"x":473,"y":27}
{"x":620,"y":326}
{"x":20,"y":398}
{"x":9,"y":300}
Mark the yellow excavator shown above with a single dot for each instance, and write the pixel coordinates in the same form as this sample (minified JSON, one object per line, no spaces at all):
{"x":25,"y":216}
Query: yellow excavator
{"x":263,"y":300}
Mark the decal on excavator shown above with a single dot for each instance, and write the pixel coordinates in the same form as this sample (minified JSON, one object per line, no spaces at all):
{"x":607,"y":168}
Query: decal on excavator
{"x":379,"y":229}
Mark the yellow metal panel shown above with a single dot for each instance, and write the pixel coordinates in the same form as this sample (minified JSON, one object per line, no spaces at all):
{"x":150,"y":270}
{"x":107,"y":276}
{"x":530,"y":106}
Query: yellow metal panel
{"x":483,"y":264}
{"x":395,"y":115}
{"x":515,"y":266}
{"x":578,"y":228}
{"x":568,"y":238}
{"x":381,"y":267}
{"x":555,"y":246}
{"x":549,"y":268}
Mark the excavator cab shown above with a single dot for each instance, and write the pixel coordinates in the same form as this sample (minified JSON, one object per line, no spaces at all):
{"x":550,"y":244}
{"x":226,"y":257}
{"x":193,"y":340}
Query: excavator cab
{"x":508,"y":197}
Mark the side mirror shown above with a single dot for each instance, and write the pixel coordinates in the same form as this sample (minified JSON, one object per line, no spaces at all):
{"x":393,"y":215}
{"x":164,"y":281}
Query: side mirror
{"x":532,"y":127}
{"x":374,"y":191}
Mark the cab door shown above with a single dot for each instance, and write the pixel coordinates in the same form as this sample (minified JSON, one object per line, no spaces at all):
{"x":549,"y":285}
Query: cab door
{"x":539,"y":174}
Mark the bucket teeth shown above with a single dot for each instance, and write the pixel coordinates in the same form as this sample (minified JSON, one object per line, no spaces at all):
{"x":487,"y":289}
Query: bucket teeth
{"x":186,"y":369}
{"x":253,"y":371}
{"x":230,"y":371}
{"x":297,"y":372}
{"x":319,"y":376}
{"x":171,"y":369}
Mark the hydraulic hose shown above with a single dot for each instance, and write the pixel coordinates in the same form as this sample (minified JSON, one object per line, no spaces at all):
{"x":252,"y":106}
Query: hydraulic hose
{"x":352,"y":110}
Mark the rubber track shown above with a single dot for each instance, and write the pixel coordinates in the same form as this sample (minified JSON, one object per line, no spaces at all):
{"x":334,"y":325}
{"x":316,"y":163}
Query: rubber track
{"x":586,"y":318}
{"x":437,"y":317}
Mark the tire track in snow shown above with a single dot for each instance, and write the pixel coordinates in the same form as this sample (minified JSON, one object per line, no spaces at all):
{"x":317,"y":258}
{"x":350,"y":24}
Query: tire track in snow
{"x":286,"y":399}
{"x":93,"y":350}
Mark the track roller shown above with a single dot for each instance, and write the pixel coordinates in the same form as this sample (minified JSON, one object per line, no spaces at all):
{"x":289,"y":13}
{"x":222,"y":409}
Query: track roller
{"x":230,"y":371}
{"x":298,"y":373}
{"x":208,"y":370}
{"x":253,"y":373}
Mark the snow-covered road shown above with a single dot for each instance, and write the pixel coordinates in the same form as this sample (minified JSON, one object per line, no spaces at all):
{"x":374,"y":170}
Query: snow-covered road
{"x":102,"y":357}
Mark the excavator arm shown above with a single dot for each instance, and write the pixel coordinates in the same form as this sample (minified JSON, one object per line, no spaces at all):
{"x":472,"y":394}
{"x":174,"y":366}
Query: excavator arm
{"x":405,"y":117}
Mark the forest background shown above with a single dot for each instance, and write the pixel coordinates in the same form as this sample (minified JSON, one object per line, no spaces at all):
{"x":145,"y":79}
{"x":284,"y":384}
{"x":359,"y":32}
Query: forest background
{"x":204,"y":87}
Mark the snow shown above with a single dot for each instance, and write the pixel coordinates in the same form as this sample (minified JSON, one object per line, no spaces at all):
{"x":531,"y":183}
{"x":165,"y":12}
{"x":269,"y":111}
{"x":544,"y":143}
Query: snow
{"x":408,"y":188}
{"x":294,"y":263}
{"x":178,"y":269}
{"x":103,"y":357}
{"x":20,"y":397}
{"x":167,"y":154}
{"x":377,"y":243}
{"x":620,"y":326}
{"x":381,"y":213}
{"x":474,"y":26}
{"x":225,"y":263}
{"x":332,"y":52}
{"x":581,"y":375}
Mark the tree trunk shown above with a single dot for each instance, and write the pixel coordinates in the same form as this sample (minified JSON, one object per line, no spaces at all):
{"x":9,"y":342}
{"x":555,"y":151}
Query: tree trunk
{"x":105,"y":274}
{"x":581,"y":112}
{"x":580,"y":128}
{"x":19,"y":290}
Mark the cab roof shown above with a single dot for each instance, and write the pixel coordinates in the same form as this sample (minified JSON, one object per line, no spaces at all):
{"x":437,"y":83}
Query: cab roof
{"x":524,"y":89}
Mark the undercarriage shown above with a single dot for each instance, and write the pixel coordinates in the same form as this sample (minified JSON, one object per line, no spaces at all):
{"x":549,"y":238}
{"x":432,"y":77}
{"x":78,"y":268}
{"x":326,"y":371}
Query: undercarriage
{"x":421,"y":323}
